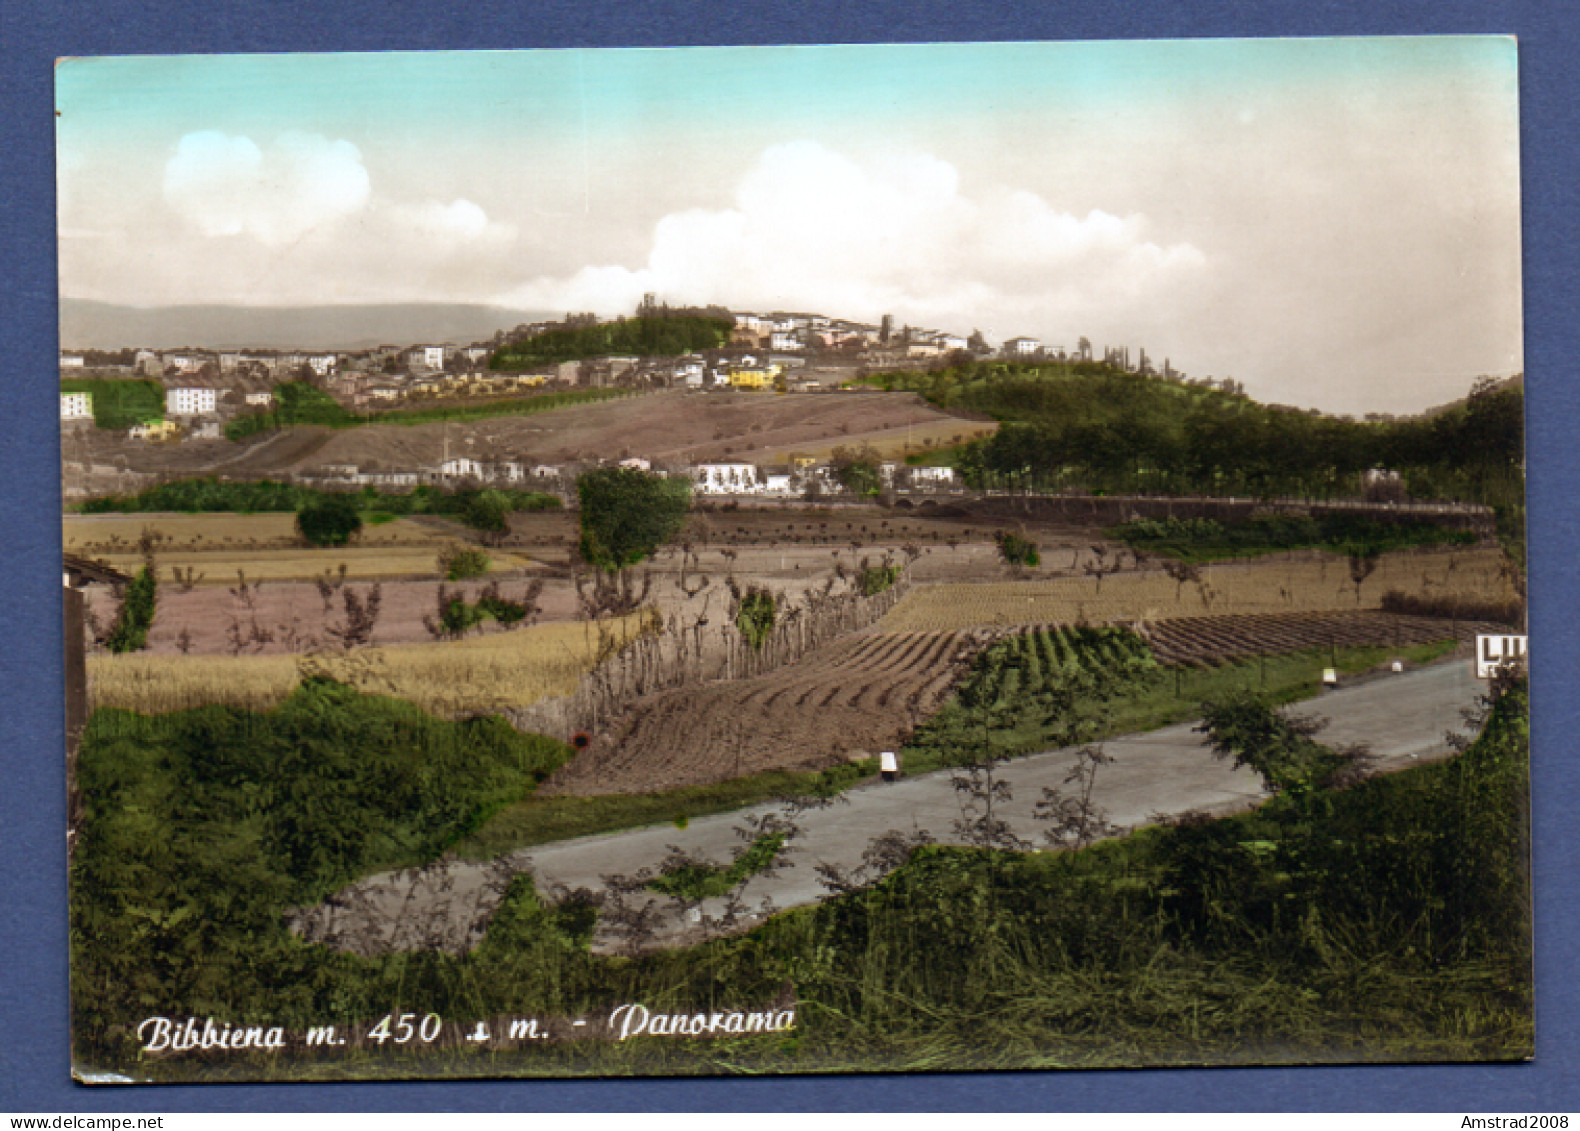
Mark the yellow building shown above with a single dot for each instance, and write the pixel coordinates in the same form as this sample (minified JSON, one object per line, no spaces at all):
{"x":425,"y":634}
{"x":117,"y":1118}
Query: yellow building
{"x":155,"y":430}
{"x":753,"y":378}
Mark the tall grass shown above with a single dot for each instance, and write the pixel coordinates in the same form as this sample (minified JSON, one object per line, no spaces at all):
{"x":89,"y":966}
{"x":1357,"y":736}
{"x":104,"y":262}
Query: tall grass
{"x":1386,"y":922}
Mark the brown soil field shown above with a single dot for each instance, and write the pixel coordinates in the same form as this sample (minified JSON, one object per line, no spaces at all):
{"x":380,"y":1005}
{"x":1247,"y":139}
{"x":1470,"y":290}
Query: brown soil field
{"x":294,"y":617}
{"x":480,"y":674}
{"x":1212,"y":640}
{"x":674,"y":427}
{"x":1295,"y":583}
{"x":848,"y":700}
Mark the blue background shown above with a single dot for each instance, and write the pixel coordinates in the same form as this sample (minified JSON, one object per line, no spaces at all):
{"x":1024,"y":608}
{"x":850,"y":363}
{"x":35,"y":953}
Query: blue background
{"x":33,"y":1013}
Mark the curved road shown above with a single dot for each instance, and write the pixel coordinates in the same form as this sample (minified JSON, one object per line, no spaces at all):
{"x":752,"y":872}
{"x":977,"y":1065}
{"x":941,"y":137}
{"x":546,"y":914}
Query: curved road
{"x":1404,"y":719}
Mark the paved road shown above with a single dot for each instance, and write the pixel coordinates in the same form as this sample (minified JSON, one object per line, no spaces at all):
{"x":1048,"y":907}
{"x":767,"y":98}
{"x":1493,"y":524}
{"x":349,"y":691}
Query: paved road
{"x":1403,"y":718}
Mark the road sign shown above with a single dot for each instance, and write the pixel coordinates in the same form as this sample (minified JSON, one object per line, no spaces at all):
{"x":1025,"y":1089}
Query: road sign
{"x":1492,"y":652}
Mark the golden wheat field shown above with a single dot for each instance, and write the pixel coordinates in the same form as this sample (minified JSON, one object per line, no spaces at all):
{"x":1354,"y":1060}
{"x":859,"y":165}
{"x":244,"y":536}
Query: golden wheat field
{"x":264,"y":546}
{"x":477,"y":674}
{"x":1264,"y":585}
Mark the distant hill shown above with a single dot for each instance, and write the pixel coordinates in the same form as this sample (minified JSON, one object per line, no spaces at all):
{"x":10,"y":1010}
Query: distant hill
{"x":105,"y":326}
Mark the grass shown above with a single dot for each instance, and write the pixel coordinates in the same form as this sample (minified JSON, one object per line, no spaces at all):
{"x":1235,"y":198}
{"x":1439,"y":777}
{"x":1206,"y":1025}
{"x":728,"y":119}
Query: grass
{"x":479,"y":674}
{"x":252,"y":423}
{"x":120,"y":402}
{"x":1308,"y":583}
{"x":266,"y":546}
{"x":1383,"y":923}
{"x":545,"y":819}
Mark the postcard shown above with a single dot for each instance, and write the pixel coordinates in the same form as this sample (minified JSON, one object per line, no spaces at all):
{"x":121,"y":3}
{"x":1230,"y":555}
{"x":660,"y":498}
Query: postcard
{"x":794,"y":559}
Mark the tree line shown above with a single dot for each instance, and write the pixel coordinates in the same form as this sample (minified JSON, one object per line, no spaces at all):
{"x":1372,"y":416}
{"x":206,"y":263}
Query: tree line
{"x":1092,"y":426}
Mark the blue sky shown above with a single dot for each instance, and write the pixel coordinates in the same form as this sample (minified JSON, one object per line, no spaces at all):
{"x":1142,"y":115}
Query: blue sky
{"x":1247,"y":208}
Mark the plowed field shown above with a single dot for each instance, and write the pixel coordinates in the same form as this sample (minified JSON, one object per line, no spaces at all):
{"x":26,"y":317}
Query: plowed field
{"x":851,"y":699}
{"x":1210,"y":640}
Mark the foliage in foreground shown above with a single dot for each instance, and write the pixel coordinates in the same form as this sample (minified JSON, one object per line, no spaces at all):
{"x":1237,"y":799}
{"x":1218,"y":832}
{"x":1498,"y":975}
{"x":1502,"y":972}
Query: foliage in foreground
{"x":1383,"y":922}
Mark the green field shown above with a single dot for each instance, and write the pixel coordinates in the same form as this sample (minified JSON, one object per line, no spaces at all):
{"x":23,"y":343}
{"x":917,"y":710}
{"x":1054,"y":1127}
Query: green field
{"x":120,"y":403}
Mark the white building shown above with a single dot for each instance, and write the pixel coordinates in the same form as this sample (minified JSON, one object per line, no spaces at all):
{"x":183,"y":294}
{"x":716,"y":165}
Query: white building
{"x":932,"y":477}
{"x":430,"y":357}
{"x":1022,"y":347}
{"x":637,"y":463}
{"x":322,"y":363}
{"x":70,"y":361}
{"x":460,"y":467}
{"x":546,"y":471}
{"x":189,"y":401}
{"x":779,"y":485}
{"x":264,"y":399}
{"x":784,"y":340}
{"x":725,"y":478}
{"x":475,"y":354}
{"x":76,"y":406}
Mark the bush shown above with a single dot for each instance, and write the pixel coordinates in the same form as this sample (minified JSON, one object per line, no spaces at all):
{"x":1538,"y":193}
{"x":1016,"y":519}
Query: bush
{"x":872,"y":580}
{"x":1017,"y":551}
{"x":462,"y":563}
{"x":331,"y":521}
{"x":136,"y":616}
{"x":487,"y":511}
{"x":755,"y":618}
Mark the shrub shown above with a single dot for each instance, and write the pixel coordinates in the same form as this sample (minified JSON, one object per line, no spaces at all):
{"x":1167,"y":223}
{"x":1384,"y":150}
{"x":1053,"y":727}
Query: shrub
{"x":872,"y":580}
{"x":331,"y":521}
{"x":1017,"y":551}
{"x":461,"y":563}
{"x":755,"y":617}
{"x":136,"y":616}
{"x":487,"y":511}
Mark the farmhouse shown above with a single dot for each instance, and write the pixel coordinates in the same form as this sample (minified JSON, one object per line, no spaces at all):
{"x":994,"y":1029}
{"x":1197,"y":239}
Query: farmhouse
{"x":76,"y":406}
{"x":460,"y":467}
{"x":725,"y":478}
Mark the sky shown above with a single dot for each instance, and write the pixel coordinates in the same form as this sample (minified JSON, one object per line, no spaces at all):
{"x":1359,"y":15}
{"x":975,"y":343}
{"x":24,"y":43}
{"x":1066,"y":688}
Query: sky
{"x":1333,"y":223}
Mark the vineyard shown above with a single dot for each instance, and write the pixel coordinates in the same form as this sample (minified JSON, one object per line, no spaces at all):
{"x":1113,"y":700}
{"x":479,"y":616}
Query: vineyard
{"x":1212,"y":640}
{"x":1296,"y":584}
{"x":849,"y":699}
{"x":1018,"y":683}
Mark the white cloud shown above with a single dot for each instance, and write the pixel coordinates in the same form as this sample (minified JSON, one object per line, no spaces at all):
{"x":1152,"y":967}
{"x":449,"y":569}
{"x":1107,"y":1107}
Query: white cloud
{"x":815,"y":229}
{"x":459,"y":222}
{"x":230,"y":186}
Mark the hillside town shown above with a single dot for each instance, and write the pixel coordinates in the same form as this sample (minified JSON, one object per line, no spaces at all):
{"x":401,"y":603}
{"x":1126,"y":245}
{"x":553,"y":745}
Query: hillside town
{"x":206,"y":390}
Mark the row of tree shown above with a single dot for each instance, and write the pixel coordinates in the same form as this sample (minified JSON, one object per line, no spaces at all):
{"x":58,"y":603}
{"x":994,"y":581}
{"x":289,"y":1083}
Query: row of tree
{"x":1091,"y":426}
